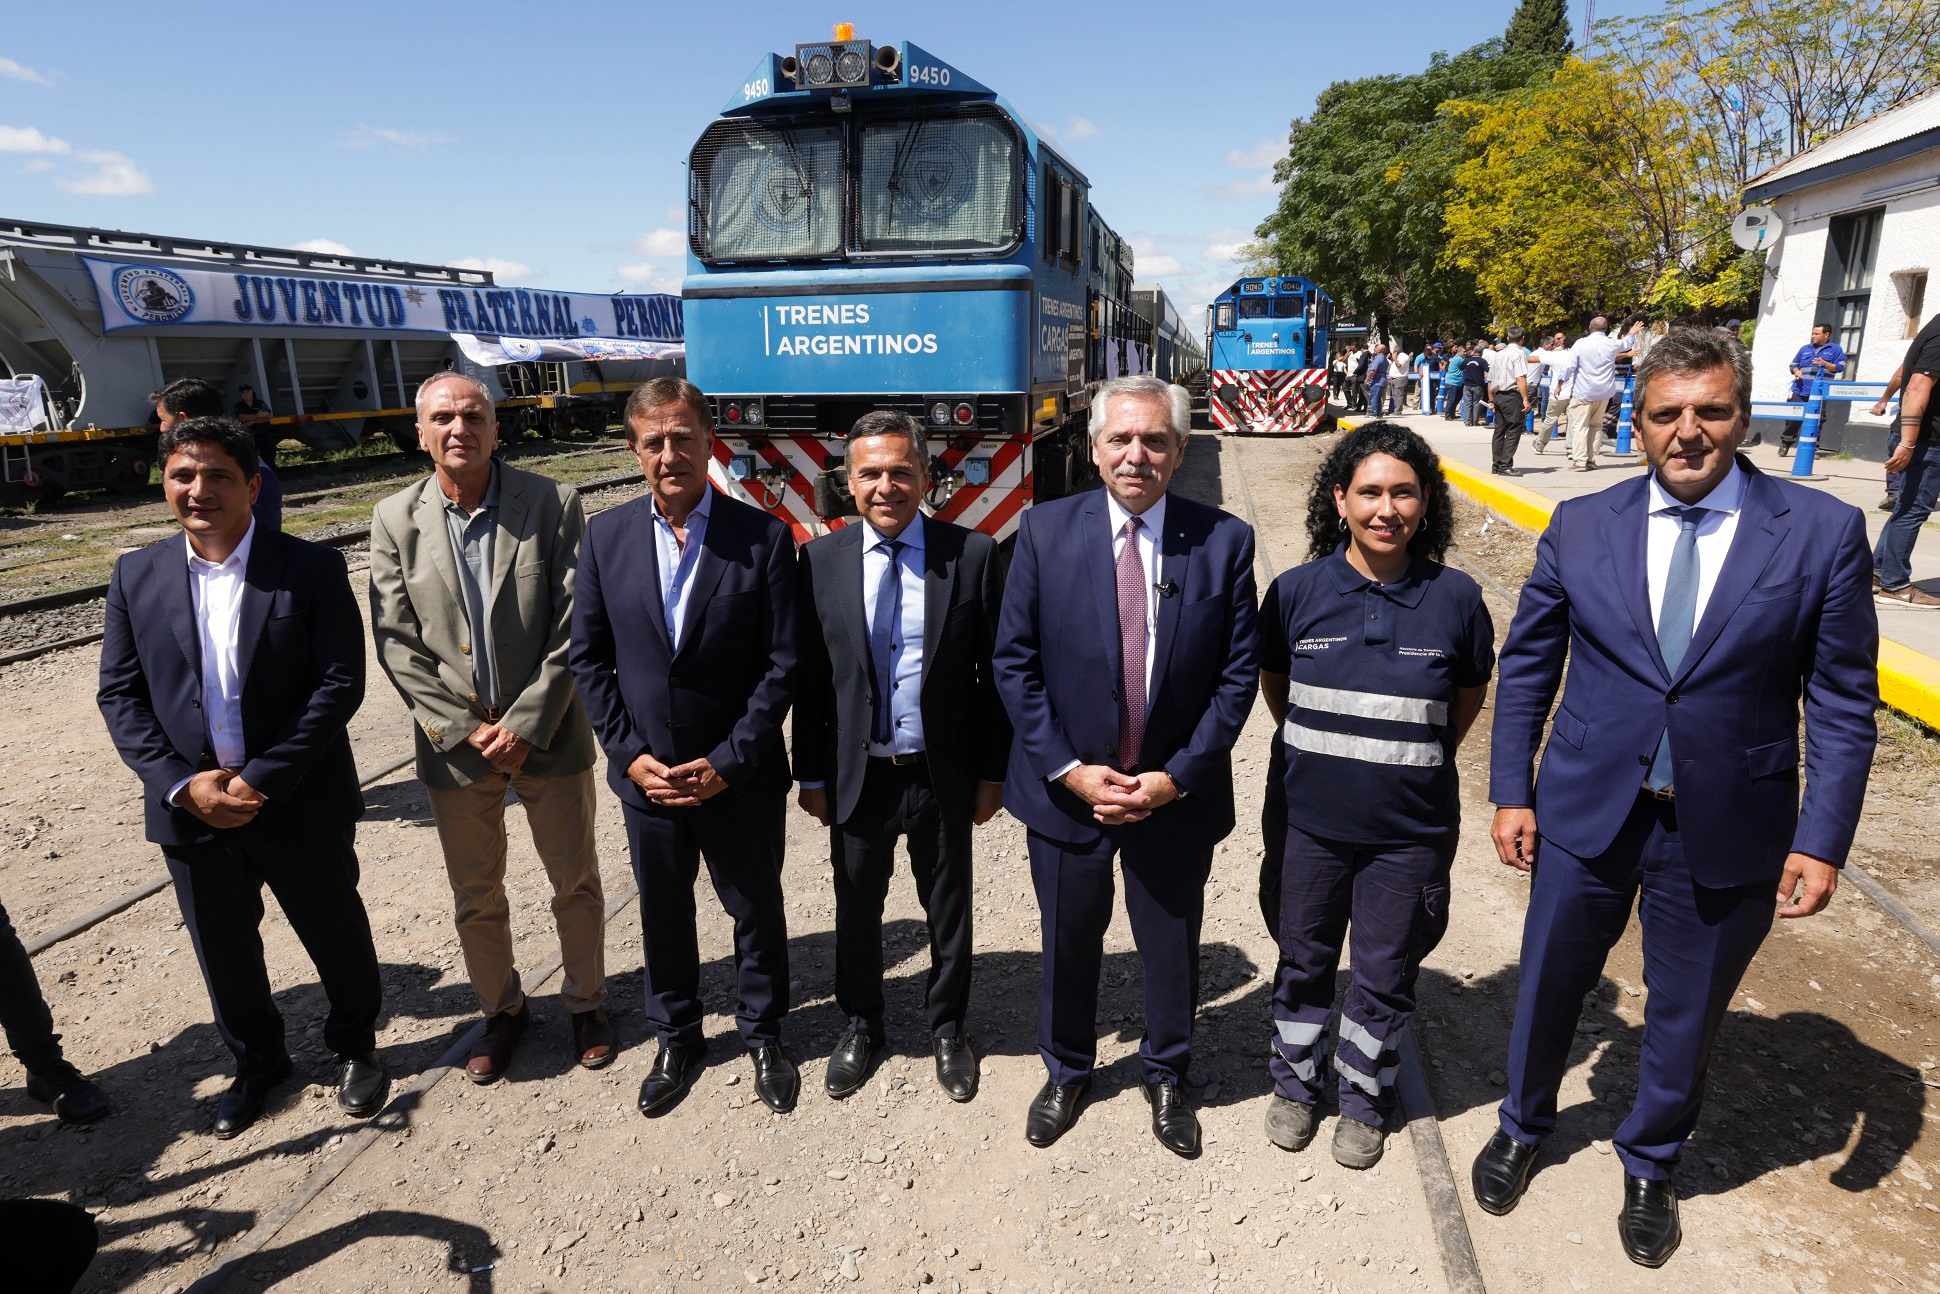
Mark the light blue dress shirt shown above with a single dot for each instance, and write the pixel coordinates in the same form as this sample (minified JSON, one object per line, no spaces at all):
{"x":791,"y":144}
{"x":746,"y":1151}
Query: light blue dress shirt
{"x":676,"y":565}
{"x":906,"y":651}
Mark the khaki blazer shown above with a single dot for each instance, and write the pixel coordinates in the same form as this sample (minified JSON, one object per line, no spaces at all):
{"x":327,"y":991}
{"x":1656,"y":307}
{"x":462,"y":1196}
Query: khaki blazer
{"x":424,"y":637}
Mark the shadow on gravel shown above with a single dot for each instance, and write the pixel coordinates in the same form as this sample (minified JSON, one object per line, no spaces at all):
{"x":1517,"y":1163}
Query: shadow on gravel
{"x":1782,"y":1091}
{"x":470,"y":1252}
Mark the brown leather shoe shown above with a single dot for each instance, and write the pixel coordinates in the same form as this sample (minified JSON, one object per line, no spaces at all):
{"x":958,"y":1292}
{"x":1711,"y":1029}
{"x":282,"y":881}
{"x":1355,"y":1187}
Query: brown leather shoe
{"x":493,"y":1050}
{"x":592,"y":1038}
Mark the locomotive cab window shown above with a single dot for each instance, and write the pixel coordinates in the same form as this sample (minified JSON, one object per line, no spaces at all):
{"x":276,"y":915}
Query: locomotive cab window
{"x":1223,"y":317}
{"x":1286,"y":307}
{"x":1255,"y":308}
{"x":938,"y":184}
{"x":760,"y":192}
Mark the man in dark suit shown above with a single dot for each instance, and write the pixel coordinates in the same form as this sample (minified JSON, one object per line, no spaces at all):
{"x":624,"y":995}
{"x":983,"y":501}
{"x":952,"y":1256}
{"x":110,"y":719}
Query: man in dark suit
{"x":684,"y":646}
{"x":1695,"y":607}
{"x":899,"y":732}
{"x":232,"y":660}
{"x":1127,"y":656}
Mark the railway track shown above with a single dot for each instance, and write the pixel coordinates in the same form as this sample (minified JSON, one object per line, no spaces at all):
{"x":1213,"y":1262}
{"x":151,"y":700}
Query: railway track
{"x":46,"y":605}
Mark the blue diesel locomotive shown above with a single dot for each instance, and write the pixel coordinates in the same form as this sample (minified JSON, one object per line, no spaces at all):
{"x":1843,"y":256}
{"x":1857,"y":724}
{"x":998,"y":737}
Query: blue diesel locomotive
{"x":870,"y":227}
{"x":1268,"y":347}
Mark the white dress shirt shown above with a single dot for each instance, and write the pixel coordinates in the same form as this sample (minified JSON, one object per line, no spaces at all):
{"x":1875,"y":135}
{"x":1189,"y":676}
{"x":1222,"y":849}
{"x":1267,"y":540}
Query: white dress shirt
{"x":677,"y":563}
{"x":1596,"y":366}
{"x":1715,"y":531}
{"x":217,"y":591}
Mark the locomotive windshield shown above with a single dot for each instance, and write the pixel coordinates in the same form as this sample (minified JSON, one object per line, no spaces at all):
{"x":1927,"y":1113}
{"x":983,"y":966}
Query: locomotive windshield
{"x":937,"y":184}
{"x":1255,"y":308}
{"x":767,"y":192}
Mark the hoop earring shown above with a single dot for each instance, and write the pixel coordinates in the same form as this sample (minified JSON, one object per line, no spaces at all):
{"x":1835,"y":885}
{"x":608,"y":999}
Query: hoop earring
{"x":1343,"y":525}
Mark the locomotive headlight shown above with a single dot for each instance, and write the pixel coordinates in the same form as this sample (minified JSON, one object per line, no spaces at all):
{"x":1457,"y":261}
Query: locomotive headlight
{"x":751,"y":413}
{"x":940,"y":414}
{"x":821,"y":68}
{"x":850,"y":66}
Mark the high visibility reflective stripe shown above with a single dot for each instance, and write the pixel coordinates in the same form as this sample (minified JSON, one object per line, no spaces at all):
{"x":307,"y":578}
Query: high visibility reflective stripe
{"x":1303,"y":1069}
{"x":1370,"y":750}
{"x":1368,"y":705}
{"x":1352,"y":1032}
{"x":1373,"y":1086}
{"x":1294,"y":1033}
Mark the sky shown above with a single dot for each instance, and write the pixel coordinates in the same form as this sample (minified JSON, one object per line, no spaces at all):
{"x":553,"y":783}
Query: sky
{"x":549,"y":143}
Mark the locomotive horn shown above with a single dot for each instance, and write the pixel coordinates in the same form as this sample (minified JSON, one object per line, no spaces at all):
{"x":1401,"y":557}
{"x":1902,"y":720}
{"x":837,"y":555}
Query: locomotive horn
{"x":791,"y":68}
{"x":889,"y":61}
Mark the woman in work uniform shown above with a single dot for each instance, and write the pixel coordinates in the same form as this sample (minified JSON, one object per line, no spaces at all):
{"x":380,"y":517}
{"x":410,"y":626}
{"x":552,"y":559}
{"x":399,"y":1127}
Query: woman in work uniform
{"x":1375,"y":659}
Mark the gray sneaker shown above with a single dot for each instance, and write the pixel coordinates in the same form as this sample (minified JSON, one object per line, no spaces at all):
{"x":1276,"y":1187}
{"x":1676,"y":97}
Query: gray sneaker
{"x":1356,"y":1144}
{"x":1289,"y":1124}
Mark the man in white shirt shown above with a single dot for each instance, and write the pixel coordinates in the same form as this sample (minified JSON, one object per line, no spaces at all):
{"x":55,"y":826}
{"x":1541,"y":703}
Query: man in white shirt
{"x":1595,"y":383}
{"x":1561,"y":366}
{"x":1509,"y":392}
{"x":238,"y":795}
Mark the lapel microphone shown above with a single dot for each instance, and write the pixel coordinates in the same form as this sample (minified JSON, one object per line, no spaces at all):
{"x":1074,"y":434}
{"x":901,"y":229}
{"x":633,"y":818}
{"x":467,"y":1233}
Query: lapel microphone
{"x":1168,"y":587}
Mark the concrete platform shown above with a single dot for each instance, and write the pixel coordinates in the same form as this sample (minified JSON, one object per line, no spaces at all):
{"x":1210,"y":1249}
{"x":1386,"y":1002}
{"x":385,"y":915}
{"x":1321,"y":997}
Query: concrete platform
{"x":1910,"y":640}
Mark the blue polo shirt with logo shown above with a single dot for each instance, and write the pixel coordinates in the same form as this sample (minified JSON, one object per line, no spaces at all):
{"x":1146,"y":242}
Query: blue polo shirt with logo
{"x":1372,"y":671}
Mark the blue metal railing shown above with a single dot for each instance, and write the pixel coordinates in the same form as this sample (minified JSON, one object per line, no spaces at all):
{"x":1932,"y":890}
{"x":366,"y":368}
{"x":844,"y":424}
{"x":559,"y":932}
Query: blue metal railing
{"x":1811,"y":414}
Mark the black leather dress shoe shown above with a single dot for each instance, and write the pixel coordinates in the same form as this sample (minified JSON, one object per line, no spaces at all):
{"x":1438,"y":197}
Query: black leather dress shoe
{"x":849,"y":1062}
{"x":75,"y":1097}
{"x":1053,"y":1110}
{"x":1648,"y":1223}
{"x":362,"y":1086}
{"x":673,"y":1069}
{"x":1501,"y":1173}
{"x":1173,"y":1122}
{"x":956,"y":1068}
{"x":243,"y":1103}
{"x":776,"y":1080}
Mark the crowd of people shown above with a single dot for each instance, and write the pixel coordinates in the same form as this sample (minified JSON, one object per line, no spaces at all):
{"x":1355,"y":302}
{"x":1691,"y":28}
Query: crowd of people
{"x":1096,"y":689}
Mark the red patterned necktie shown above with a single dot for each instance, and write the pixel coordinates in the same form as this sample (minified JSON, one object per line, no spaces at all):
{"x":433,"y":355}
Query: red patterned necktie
{"x":1132,"y":614}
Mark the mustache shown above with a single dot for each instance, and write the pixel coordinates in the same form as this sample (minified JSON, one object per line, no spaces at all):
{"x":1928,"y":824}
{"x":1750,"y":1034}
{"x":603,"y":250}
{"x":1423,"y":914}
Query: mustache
{"x":1135,"y":472}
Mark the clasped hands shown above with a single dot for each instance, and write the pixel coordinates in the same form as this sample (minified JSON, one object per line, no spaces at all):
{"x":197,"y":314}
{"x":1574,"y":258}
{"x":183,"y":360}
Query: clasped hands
{"x":1117,"y":798}
{"x":503,"y":749}
{"x":221,"y":798}
{"x":681,"y":786}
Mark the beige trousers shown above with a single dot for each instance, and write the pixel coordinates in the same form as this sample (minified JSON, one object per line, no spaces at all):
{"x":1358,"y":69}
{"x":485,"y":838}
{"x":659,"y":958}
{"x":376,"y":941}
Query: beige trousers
{"x":471,"y":827}
{"x":1586,"y":424}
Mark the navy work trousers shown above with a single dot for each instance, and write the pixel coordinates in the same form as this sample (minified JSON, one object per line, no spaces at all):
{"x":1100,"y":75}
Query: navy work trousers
{"x":1396,"y":896}
{"x":1165,"y":901}
{"x":740,"y":836}
{"x":1697,"y":943}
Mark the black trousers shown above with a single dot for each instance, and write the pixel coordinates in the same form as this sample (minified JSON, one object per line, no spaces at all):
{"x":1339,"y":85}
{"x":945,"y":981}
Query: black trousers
{"x":740,"y":836}
{"x":1508,"y":428}
{"x":900,"y":802}
{"x":313,"y":873}
{"x":24,"y":1015}
{"x":1165,"y":901}
{"x":1789,"y":438}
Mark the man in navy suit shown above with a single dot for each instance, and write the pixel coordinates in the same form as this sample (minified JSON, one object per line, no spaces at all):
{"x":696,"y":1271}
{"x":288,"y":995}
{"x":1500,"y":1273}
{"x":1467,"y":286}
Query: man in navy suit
{"x":684,"y":651}
{"x":1127,"y":657}
{"x":232,"y":661}
{"x":1695,"y":607}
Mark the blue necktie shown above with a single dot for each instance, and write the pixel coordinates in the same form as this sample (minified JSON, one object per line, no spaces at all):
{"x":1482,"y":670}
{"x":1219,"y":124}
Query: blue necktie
{"x":883,"y":631}
{"x":1676,"y":621}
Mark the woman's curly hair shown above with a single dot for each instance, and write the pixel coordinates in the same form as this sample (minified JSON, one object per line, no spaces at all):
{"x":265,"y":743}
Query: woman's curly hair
{"x":1391,"y":438}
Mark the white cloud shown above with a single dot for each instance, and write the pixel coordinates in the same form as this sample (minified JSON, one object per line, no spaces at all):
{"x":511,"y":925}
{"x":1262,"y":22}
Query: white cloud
{"x":649,"y":276}
{"x":1224,"y":251}
{"x":366,"y":136}
{"x":661,"y":242}
{"x":114,"y":176}
{"x":674,"y":211}
{"x":1262,"y":155}
{"x":498,"y":265}
{"x":329,"y":246}
{"x":1079,"y":128}
{"x":26,"y":139}
{"x":1244,"y":190}
{"x":37,"y":165}
{"x":13,"y":71}
{"x":1159,"y":266}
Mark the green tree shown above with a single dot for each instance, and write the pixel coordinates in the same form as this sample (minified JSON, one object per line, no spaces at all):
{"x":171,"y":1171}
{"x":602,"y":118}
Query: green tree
{"x":1539,"y":27}
{"x":1364,"y":183}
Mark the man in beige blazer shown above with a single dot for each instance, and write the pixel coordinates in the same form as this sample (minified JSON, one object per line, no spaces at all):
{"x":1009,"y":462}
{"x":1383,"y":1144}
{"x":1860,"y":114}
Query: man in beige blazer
{"x":471,"y":589}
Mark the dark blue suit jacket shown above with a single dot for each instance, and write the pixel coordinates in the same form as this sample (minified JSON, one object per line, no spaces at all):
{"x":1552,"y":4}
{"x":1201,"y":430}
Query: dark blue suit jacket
{"x":1791,"y":617}
{"x":1058,"y":664}
{"x":299,"y":654}
{"x":724,"y":693}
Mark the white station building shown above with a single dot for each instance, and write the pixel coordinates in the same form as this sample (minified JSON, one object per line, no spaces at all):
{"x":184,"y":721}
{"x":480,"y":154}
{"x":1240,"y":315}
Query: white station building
{"x":1860,"y":216}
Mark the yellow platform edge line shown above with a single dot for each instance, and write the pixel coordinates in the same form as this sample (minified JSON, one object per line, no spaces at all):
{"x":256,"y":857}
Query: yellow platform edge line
{"x":1909,"y":681}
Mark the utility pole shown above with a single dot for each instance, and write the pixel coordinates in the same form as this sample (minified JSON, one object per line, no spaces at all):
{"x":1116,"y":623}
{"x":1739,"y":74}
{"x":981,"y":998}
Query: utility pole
{"x":1589,"y":21}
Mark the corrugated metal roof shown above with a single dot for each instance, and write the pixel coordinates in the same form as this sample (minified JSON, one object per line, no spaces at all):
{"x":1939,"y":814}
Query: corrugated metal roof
{"x":1914,"y":117}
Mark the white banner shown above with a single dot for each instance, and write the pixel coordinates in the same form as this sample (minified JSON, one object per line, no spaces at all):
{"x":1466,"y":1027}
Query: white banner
{"x":493,"y":351}
{"x":135,"y":295}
